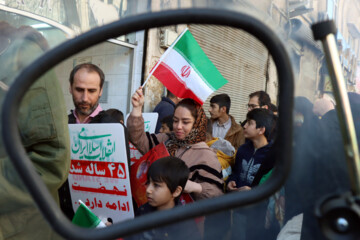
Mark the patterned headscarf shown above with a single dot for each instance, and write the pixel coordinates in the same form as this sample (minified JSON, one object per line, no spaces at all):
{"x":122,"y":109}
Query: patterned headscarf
{"x":196,"y":135}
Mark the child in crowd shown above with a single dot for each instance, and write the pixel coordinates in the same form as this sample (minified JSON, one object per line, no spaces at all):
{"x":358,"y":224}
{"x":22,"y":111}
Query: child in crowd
{"x":166,"y":124}
{"x":251,"y":155}
{"x":117,"y":114}
{"x":253,"y":160}
{"x":166,"y":179}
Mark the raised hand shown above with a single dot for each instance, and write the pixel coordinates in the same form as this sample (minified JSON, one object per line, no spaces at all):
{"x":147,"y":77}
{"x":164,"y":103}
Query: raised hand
{"x":137,"y":101}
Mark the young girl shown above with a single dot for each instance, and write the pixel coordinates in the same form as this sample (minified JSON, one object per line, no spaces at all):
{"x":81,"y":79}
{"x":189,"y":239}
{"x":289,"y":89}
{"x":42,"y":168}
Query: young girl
{"x":187,"y":142}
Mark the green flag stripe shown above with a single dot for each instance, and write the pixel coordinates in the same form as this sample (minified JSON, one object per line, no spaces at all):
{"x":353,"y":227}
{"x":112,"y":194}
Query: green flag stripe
{"x":192,"y":52}
{"x":197,"y":71}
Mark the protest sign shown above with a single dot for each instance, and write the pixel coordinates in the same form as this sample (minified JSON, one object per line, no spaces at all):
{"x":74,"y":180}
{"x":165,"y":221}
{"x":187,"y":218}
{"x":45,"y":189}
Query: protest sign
{"x":150,"y":120}
{"x":99,"y":174}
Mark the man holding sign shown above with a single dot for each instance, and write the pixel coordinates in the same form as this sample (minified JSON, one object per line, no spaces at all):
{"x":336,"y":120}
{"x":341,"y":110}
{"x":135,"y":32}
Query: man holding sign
{"x":86,"y":85}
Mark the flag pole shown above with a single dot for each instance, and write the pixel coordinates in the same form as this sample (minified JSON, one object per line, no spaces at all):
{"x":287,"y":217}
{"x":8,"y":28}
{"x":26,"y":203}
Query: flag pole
{"x":164,"y":55}
{"x":81,"y":202}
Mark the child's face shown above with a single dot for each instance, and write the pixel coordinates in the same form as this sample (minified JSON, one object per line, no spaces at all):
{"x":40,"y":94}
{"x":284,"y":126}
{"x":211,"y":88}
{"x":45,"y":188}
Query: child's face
{"x":164,"y":128}
{"x":250,"y":130}
{"x":159,"y":195}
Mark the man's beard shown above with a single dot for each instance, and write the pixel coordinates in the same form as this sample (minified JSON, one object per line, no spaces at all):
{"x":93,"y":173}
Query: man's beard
{"x":84,"y":112}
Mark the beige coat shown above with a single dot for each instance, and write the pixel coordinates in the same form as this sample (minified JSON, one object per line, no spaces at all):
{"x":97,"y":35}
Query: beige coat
{"x":235,"y":135}
{"x":204,"y":166}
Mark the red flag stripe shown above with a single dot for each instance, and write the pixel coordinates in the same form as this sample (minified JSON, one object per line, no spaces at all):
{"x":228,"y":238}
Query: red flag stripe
{"x":174,"y":83}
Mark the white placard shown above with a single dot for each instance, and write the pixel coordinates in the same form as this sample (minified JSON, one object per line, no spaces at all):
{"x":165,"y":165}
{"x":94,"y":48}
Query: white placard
{"x":99,"y":174}
{"x":150,"y":120}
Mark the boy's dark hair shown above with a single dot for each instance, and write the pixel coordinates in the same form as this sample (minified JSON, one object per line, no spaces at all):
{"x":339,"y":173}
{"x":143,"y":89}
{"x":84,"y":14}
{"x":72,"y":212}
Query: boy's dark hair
{"x":90,"y":68}
{"x":168,"y":120}
{"x":263,"y":118}
{"x":115,"y":113}
{"x":171,"y":170}
{"x":264,"y":98}
{"x":223,"y":100}
{"x":273,"y":108}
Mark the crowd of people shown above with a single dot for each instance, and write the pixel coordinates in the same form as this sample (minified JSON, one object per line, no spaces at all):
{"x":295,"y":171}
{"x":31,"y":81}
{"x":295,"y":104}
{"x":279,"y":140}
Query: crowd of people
{"x":221,"y":155}
{"x":208,"y":157}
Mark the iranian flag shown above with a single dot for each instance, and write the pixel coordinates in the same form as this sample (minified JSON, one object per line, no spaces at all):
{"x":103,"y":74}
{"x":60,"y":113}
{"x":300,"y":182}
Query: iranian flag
{"x":85,"y":218}
{"x":186,"y":71}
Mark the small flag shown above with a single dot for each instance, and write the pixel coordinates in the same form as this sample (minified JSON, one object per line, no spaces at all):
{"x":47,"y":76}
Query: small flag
{"x":85,"y":218}
{"x":186,"y":71}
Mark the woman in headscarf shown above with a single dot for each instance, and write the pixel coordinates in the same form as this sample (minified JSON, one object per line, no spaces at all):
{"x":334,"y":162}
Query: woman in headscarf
{"x":187,"y":142}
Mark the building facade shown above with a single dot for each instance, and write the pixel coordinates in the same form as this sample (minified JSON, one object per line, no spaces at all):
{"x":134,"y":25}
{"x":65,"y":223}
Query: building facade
{"x":240,"y":58}
{"x":246,"y":64}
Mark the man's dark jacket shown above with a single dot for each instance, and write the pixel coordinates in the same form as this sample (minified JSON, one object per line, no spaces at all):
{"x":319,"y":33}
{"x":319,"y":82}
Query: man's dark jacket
{"x":164,"y":108}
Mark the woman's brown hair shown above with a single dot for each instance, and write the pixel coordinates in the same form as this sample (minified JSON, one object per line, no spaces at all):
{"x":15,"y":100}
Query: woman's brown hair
{"x":191,"y":105}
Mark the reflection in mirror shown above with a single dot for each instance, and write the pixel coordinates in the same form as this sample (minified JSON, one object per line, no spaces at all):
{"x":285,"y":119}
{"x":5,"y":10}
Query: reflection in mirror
{"x":108,"y":77}
{"x":206,"y":137}
{"x":319,"y":165}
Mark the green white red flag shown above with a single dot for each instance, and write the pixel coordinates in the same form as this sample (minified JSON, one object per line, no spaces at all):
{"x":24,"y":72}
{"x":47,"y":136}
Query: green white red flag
{"x":186,"y":71}
{"x":85,"y":218}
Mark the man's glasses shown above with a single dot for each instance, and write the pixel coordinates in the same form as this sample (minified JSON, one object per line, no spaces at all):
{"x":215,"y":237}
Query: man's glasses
{"x":251,"y":106}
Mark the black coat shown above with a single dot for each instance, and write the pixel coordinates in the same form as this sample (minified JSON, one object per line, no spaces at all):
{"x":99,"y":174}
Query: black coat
{"x":164,"y":108}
